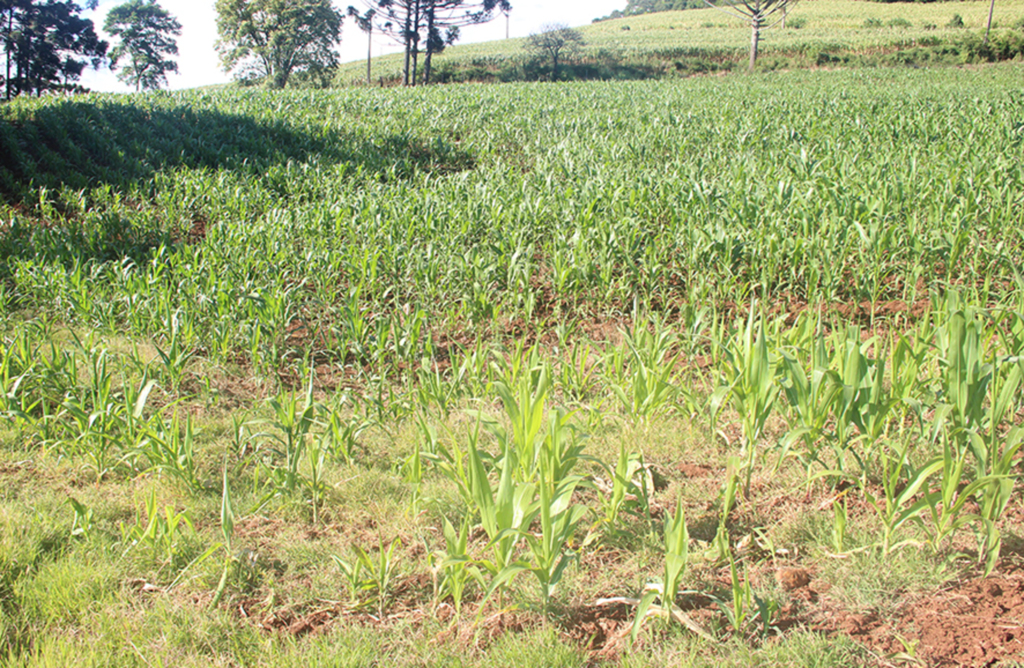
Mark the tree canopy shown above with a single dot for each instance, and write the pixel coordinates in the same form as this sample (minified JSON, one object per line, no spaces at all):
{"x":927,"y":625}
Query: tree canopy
{"x":273,"y":39}
{"x":760,"y":14}
{"x":146,"y":32}
{"x":555,"y":41}
{"x":434,"y":24}
{"x":47,"y":45}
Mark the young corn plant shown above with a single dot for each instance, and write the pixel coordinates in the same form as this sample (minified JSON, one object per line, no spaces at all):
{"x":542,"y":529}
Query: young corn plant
{"x":946,"y":503}
{"x":840,"y":515}
{"x":659,"y":599}
{"x":503,"y":511}
{"x":748,"y":385}
{"x":649,"y":384}
{"x":559,"y":517}
{"x":435,"y":392}
{"x":160,"y":532}
{"x":626,"y":467}
{"x":343,"y":435}
{"x":457,"y":568}
{"x":995,"y":496}
{"x":100,"y":419}
{"x":317,"y":452}
{"x":810,"y":397}
{"x":82,"y":524}
{"x":719,"y":550}
{"x":294,"y":420}
{"x":175,"y":359}
{"x":369,"y":574}
{"x":743,"y":601}
{"x":227,"y":529}
{"x":901,"y":482}
{"x":739,"y":607}
{"x":977,"y":397}
{"x":523,"y":400}
{"x":170,"y":450}
{"x":577,"y":375}
{"x":858,"y":378}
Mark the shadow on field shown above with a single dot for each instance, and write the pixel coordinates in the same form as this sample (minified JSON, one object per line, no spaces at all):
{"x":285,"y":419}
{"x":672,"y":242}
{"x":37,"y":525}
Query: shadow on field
{"x":87,"y":144}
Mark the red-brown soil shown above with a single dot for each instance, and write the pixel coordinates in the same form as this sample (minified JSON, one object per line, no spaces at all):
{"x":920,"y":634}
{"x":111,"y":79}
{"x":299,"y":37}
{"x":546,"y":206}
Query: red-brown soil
{"x":976,"y":623}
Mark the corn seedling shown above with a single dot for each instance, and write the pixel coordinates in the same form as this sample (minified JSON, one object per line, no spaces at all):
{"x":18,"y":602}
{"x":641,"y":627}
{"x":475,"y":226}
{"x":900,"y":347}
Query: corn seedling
{"x":369,"y":574}
{"x":677,"y":558}
{"x":82,"y":525}
{"x":227,"y":529}
{"x":649,"y":383}
{"x":901,"y":482}
{"x":160,"y":532}
{"x":455,"y":564}
{"x":748,"y":384}
{"x":170,"y":449}
{"x":839,"y":517}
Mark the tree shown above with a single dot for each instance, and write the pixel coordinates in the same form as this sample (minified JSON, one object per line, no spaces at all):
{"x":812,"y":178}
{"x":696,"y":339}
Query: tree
{"x":555,"y":41}
{"x":759,"y":14}
{"x":444,"y":18}
{"x":146,"y":32}
{"x":47,"y":45}
{"x":434,"y":23}
{"x":365,"y":23}
{"x":272,"y":39}
{"x":988,"y":26}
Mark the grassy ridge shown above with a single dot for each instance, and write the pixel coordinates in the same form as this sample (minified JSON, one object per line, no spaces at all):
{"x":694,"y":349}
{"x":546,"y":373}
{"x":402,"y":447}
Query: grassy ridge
{"x":659,"y":40}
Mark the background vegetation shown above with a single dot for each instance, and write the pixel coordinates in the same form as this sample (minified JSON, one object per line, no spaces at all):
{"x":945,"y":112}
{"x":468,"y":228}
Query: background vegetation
{"x":823,"y":33}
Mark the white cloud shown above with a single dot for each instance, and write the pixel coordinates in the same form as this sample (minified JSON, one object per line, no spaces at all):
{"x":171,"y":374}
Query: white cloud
{"x":199,"y":65}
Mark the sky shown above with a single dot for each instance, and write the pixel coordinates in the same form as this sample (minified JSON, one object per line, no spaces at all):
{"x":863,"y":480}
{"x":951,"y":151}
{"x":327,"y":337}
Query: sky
{"x":198,"y":64}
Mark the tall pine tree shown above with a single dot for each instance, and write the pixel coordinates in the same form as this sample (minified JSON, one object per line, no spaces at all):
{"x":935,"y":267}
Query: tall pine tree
{"x":47,"y":45}
{"x":429,"y":26}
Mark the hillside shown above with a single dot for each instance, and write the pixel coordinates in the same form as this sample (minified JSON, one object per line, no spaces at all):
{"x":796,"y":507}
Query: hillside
{"x":830,"y":32}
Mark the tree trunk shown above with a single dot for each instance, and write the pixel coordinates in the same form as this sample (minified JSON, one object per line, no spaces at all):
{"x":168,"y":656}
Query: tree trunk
{"x":430,"y":50}
{"x":415,"y":59}
{"x":554,"y":66}
{"x":7,"y":48}
{"x":755,"y":36}
{"x":369,"y":52}
{"x":408,"y":48}
{"x":988,"y":28}
{"x":414,"y":35}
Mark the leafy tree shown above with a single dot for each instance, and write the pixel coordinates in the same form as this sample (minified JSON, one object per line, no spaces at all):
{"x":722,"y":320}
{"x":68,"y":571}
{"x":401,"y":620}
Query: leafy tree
{"x":273,"y":39}
{"x":47,"y":45}
{"x":433,"y":23}
{"x":758,"y":13}
{"x":146,"y":32}
{"x":555,"y":41}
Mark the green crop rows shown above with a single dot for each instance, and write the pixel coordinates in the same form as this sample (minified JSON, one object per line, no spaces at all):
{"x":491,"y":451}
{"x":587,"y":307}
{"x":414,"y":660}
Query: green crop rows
{"x":414,"y":360}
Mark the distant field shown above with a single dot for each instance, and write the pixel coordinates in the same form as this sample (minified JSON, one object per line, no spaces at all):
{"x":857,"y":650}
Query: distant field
{"x":830,"y":25}
{"x":712,"y":372}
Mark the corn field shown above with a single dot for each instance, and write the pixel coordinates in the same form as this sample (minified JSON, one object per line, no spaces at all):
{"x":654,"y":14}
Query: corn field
{"x":501,"y":317}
